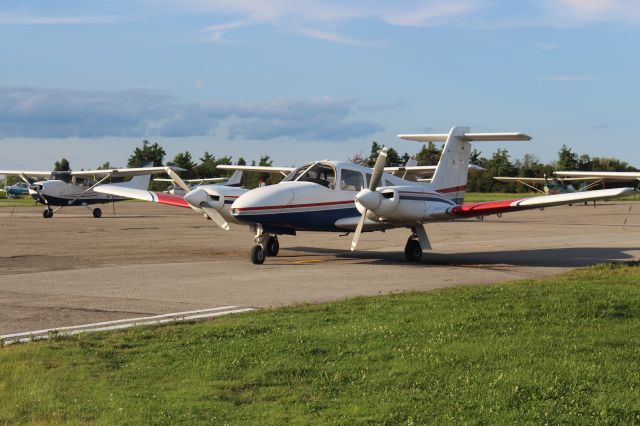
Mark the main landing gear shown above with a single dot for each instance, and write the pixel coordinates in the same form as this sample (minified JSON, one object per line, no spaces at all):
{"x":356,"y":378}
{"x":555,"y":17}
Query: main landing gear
{"x":47,"y":213}
{"x":266,"y":245}
{"x":97,"y":213}
{"x":413,"y":251}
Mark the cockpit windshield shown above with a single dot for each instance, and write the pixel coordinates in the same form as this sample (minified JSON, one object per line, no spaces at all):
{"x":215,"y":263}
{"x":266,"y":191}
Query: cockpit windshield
{"x":320,"y":173}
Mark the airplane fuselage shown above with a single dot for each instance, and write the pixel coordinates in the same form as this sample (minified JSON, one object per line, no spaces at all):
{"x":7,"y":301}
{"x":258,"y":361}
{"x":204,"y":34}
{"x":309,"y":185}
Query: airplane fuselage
{"x":60,"y":193}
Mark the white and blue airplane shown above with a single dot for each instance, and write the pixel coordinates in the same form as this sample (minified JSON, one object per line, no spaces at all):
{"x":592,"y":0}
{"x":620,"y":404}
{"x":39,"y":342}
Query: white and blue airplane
{"x":59,"y":189}
{"x":337,"y":196}
{"x":16,"y":190}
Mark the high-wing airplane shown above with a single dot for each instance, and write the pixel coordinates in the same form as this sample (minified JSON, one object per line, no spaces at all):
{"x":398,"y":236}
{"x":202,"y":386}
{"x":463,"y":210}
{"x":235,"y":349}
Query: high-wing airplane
{"x":555,"y":185}
{"x":337,"y":197}
{"x":54,"y":191}
{"x":16,"y":190}
{"x":600,"y":177}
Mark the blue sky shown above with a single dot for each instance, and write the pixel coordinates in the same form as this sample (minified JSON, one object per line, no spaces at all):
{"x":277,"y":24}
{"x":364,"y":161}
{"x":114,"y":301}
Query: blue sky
{"x":303,"y":80}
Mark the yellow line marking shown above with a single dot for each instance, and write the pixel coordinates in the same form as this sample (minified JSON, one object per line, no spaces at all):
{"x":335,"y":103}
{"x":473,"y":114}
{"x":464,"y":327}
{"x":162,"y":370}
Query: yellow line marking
{"x":308,"y":261}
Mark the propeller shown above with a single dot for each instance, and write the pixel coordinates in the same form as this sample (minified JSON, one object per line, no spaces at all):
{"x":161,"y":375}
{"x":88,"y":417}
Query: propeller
{"x":177,"y":179}
{"x":370,"y":198}
{"x":199,"y":198}
{"x":34,"y":188}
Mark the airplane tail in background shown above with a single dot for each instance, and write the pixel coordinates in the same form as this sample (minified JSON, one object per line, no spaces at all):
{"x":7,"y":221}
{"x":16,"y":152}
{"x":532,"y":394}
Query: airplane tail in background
{"x":235,"y":179}
{"x":450,"y":177}
{"x":141,"y":181}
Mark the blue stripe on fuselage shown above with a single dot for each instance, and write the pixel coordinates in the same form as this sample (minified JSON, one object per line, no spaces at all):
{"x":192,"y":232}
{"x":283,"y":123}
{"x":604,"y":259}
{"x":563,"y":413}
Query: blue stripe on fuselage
{"x":57,"y":201}
{"x":315,"y":220}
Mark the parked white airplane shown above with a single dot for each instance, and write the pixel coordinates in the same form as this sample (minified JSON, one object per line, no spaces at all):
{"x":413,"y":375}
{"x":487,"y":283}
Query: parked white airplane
{"x":329,"y":196}
{"x":337,"y":196}
{"x":601,"y":176}
{"x":56,"y":192}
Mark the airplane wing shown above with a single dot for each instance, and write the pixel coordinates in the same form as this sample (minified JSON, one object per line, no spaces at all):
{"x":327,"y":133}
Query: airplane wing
{"x":124,"y":172}
{"x":618,"y":176}
{"x":27,"y":173}
{"x":260,"y":169}
{"x":141,"y":194}
{"x":421,"y":172}
{"x":506,"y":206}
{"x":220,"y":179}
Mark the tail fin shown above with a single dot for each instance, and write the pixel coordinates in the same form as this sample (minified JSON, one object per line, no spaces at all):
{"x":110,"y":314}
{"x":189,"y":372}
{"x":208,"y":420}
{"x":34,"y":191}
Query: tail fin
{"x":235,"y":179}
{"x":137,"y":182}
{"x":451,"y":173}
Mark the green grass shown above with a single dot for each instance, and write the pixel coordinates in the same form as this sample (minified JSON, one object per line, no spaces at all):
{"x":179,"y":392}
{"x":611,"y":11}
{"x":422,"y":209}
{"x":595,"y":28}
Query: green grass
{"x":16,"y":202}
{"x":559,"y":350}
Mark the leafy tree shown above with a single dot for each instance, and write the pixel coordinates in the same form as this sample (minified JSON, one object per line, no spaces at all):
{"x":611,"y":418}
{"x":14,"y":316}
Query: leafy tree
{"x":242,"y":162}
{"x":61,"y":165}
{"x":106,"y":166}
{"x":611,"y":165}
{"x":184,"y":161}
{"x":429,"y":155}
{"x":567,"y":159}
{"x":393,"y":158}
{"x":585,"y":163}
{"x":208,"y":166}
{"x":147,"y":152}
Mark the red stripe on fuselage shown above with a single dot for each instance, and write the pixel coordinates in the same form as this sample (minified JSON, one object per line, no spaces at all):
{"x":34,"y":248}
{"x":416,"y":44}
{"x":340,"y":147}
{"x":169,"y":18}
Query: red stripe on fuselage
{"x":295,"y":206}
{"x":171,"y":200}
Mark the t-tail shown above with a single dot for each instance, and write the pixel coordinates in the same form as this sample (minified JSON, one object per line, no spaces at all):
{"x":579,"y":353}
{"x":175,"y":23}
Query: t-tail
{"x":450,"y":177}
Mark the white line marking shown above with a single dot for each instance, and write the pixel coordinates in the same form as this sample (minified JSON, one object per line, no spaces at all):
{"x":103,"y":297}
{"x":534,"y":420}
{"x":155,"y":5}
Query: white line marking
{"x":28,"y":336}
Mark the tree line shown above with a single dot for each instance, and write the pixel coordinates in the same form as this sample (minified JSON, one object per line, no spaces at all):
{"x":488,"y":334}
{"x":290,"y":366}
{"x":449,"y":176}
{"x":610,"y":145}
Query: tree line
{"x":498,"y":164}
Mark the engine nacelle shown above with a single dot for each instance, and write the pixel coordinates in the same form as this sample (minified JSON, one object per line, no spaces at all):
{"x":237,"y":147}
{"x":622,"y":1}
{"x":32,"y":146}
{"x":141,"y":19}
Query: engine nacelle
{"x":410,"y":204}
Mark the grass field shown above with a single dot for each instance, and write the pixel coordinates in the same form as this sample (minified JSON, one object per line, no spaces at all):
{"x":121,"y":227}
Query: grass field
{"x":16,"y":202}
{"x":559,"y":350}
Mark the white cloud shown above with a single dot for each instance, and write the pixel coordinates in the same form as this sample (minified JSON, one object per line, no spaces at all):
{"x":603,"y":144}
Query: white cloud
{"x":49,"y":113}
{"x":324,"y":19}
{"x":580,"y":12}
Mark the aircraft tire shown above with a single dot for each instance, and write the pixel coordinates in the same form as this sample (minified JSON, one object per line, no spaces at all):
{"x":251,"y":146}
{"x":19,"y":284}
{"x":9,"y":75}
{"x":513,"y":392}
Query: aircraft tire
{"x":272,"y":246}
{"x":97,"y":213}
{"x":257,"y":255}
{"x":413,"y":251}
{"x":47,"y":213}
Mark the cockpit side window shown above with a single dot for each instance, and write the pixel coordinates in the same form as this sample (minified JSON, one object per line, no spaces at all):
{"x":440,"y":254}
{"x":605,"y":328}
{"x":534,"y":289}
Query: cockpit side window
{"x":297,"y":172}
{"x":351,"y":180}
{"x":368,"y":179}
{"x":322,"y":174}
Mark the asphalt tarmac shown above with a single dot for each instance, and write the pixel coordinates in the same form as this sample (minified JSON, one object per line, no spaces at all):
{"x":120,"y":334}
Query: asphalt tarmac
{"x":149,"y":260}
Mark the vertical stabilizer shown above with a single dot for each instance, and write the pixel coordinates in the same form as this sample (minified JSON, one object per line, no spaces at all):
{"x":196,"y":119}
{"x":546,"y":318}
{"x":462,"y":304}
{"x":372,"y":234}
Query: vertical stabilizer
{"x":450,"y":176}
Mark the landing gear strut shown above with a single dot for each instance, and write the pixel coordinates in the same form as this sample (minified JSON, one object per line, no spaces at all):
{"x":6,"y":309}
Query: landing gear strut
{"x":266,"y":245}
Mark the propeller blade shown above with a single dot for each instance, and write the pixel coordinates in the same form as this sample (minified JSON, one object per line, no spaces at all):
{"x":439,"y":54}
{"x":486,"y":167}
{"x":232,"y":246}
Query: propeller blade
{"x":378,"y":169}
{"x":177,"y":179}
{"x":356,"y":235}
{"x":216,"y":217}
{"x":376,"y":177}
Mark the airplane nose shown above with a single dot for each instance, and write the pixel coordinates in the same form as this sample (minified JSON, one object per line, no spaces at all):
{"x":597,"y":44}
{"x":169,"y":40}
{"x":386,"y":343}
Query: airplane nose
{"x":369,"y":199}
{"x":260,"y":201}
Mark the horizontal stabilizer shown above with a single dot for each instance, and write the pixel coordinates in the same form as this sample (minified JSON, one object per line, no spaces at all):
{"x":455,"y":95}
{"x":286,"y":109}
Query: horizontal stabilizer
{"x":478,"y":137}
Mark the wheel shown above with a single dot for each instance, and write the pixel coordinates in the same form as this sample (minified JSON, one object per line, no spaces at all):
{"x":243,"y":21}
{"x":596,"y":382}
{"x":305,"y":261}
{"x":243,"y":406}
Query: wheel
{"x":413,"y":251}
{"x":47,"y":213}
{"x":273,"y":246}
{"x":97,"y":213}
{"x":257,"y":255}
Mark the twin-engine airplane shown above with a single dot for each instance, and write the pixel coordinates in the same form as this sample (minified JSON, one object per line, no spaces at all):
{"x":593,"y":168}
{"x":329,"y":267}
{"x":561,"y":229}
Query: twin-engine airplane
{"x":56,"y":192}
{"x":336,"y":196}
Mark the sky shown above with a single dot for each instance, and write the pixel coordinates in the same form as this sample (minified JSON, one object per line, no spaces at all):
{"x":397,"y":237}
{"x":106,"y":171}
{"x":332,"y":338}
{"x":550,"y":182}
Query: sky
{"x":305,"y":80}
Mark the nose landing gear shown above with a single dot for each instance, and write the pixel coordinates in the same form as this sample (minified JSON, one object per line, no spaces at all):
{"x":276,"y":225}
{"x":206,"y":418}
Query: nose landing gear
{"x":266,"y":245}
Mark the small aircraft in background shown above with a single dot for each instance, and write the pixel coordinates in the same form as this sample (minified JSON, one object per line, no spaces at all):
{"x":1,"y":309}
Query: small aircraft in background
{"x":554,"y":185}
{"x":234,"y":180}
{"x":53,"y":190}
{"x":16,"y":190}
{"x":600,"y":177}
